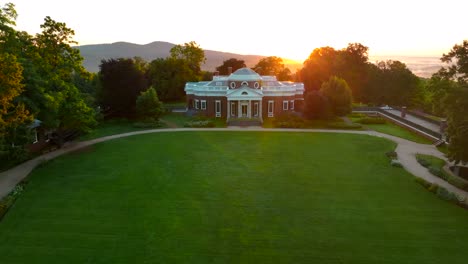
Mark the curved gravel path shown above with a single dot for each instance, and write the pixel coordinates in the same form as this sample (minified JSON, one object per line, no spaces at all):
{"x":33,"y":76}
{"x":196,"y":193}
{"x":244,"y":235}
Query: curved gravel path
{"x":406,"y":151}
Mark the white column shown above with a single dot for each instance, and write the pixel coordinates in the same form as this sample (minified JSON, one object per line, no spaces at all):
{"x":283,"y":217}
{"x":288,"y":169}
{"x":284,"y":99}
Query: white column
{"x":248,"y":109}
{"x":260,"y":106}
{"x":228,"y":113}
{"x":239,"y":107}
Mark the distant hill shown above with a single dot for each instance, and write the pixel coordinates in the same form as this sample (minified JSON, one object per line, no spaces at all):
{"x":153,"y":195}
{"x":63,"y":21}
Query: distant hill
{"x":93,"y":54}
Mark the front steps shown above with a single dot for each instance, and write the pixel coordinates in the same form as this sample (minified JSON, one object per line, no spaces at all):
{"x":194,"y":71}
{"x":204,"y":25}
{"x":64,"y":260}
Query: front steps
{"x":244,"y":122}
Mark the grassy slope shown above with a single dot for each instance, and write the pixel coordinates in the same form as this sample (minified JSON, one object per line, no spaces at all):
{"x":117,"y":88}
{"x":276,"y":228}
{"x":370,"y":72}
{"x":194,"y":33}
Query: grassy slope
{"x":394,"y":130}
{"x":227,"y":197}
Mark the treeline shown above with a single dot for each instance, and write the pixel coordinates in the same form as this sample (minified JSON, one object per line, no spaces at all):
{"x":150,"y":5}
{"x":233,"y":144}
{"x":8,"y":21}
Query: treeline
{"x":41,"y":77}
{"x":122,"y":80}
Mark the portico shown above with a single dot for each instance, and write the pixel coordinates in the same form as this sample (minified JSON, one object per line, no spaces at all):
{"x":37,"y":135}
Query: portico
{"x":244,"y":103}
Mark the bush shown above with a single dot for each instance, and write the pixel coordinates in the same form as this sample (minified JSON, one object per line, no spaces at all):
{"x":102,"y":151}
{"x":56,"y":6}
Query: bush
{"x":396,"y":163}
{"x":154,"y":124}
{"x":425,"y":163}
{"x":437,"y":172}
{"x":372,"y":120}
{"x":289,"y":121}
{"x":433,"y":188}
{"x":342,"y":125}
{"x":391,"y":155}
{"x":199,"y":124}
{"x":444,"y":194}
{"x":357,"y":115}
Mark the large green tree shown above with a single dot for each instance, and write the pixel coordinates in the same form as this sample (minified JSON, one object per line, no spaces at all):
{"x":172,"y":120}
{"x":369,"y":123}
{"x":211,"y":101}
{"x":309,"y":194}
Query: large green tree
{"x":273,"y":66}
{"x":148,"y":105}
{"x":234,"y":63}
{"x":169,"y":77}
{"x":121,"y":81}
{"x":338,"y":94}
{"x":192,"y":54}
{"x":456,"y":109}
{"x":394,"y":84}
{"x":50,"y":67}
{"x":455,"y":102}
{"x":316,"y":106}
{"x":457,"y":59}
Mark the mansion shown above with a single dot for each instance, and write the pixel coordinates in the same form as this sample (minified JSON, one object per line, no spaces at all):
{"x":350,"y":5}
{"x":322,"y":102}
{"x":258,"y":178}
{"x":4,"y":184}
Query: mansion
{"x":244,"y":94}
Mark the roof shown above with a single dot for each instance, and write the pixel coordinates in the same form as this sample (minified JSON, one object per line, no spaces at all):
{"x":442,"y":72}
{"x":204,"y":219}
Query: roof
{"x":244,"y":74}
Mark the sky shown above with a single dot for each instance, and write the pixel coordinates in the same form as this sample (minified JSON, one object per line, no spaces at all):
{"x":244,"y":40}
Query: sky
{"x":289,"y":28}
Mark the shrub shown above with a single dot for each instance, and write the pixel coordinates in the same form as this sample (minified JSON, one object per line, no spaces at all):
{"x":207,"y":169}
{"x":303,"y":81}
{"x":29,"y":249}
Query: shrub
{"x":149,"y":124}
{"x":391,"y":155}
{"x":199,"y":124}
{"x":436,"y":171}
{"x":289,"y":120}
{"x":433,"y":188}
{"x":444,"y":194}
{"x":357,"y":115}
{"x":372,"y":120}
{"x":422,"y":161}
{"x":396,"y":163}
{"x":423,"y":182}
{"x":342,"y":125}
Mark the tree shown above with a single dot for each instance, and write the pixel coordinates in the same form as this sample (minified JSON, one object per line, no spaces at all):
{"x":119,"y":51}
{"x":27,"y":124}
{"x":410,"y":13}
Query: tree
{"x":316,"y":106}
{"x":148,"y":105}
{"x":457,"y":59}
{"x":319,"y":67}
{"x":273,"y":66}
{"x":191,"y":53}
{"x":456,"y":108}
{"x":14,"y":118}
{"x":232,"y":62}
{"x":121,"y":82}
{"x":339,"y":95}
{"x":350,"y":64}
{"x":169,"y":76}
{"x":390,"y":82}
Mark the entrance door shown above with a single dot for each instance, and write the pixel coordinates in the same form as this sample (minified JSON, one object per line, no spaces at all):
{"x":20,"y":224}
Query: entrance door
{"x":244,"y":110}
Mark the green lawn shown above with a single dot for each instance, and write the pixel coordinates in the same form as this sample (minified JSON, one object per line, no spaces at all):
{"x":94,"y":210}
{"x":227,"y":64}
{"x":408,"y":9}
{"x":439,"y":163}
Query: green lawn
{"x":395,"y":130}
{"x":111,"y":127}
{"x":231,"y":197}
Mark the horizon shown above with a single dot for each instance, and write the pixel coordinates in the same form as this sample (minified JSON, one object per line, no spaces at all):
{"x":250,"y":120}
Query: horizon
{"x":290,"y":30}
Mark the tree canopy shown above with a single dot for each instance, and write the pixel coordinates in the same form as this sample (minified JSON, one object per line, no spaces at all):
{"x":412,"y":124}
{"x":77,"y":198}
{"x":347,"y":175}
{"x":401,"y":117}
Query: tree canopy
{"x":191,"y":53}
{"x":273,"y":66}
{"x":121,"y":82}
{"x":338,"y":94}
{"x":148,"y":105}
{"x":232,"y":62}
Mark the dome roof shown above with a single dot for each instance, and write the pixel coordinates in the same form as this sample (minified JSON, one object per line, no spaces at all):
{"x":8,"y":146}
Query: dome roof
{"x":244,"y":74}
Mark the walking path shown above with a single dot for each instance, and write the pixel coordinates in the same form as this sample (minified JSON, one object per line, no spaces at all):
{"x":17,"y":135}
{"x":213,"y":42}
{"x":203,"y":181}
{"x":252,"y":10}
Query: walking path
{"x":406,"y":151}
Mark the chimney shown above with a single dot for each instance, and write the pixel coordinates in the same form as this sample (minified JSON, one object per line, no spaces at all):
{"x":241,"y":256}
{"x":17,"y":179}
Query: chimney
{"x":229,"y":70}
{"x":216,"y":73}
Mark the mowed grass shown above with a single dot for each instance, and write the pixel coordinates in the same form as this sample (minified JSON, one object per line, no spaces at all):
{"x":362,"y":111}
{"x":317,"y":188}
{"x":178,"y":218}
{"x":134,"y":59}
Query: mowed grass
{"x":395,"y":130}
{"x":231,"y":197}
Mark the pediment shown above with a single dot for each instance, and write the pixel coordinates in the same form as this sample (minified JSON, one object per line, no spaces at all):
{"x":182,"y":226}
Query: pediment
{"x":244,"y":91}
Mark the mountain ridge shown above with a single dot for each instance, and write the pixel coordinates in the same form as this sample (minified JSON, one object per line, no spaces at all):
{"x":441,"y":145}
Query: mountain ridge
{"x":94,"y":53}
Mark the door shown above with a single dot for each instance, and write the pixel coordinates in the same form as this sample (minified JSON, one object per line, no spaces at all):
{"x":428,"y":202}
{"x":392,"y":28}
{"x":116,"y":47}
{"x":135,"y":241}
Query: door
{"x":244,"y":110}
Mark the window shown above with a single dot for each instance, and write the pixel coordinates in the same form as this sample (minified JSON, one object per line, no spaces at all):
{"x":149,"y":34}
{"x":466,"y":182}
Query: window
{"x":255,"y":109}
{"x":244,"y":83}
{"x":218,"y":108}
{"x":232,"y":85}
{"x":256,"y":85}
{"x":197,"y":104}
{"x":292,"y":104}
{"x":271,"y":107}
{"x":285,"y":105}
{"x":244,"y":93}
{"x":203,"y":104}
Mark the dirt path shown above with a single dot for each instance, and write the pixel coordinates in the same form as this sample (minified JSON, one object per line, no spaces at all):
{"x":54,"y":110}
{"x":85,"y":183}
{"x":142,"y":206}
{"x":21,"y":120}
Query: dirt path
{"x":406,"y":151}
